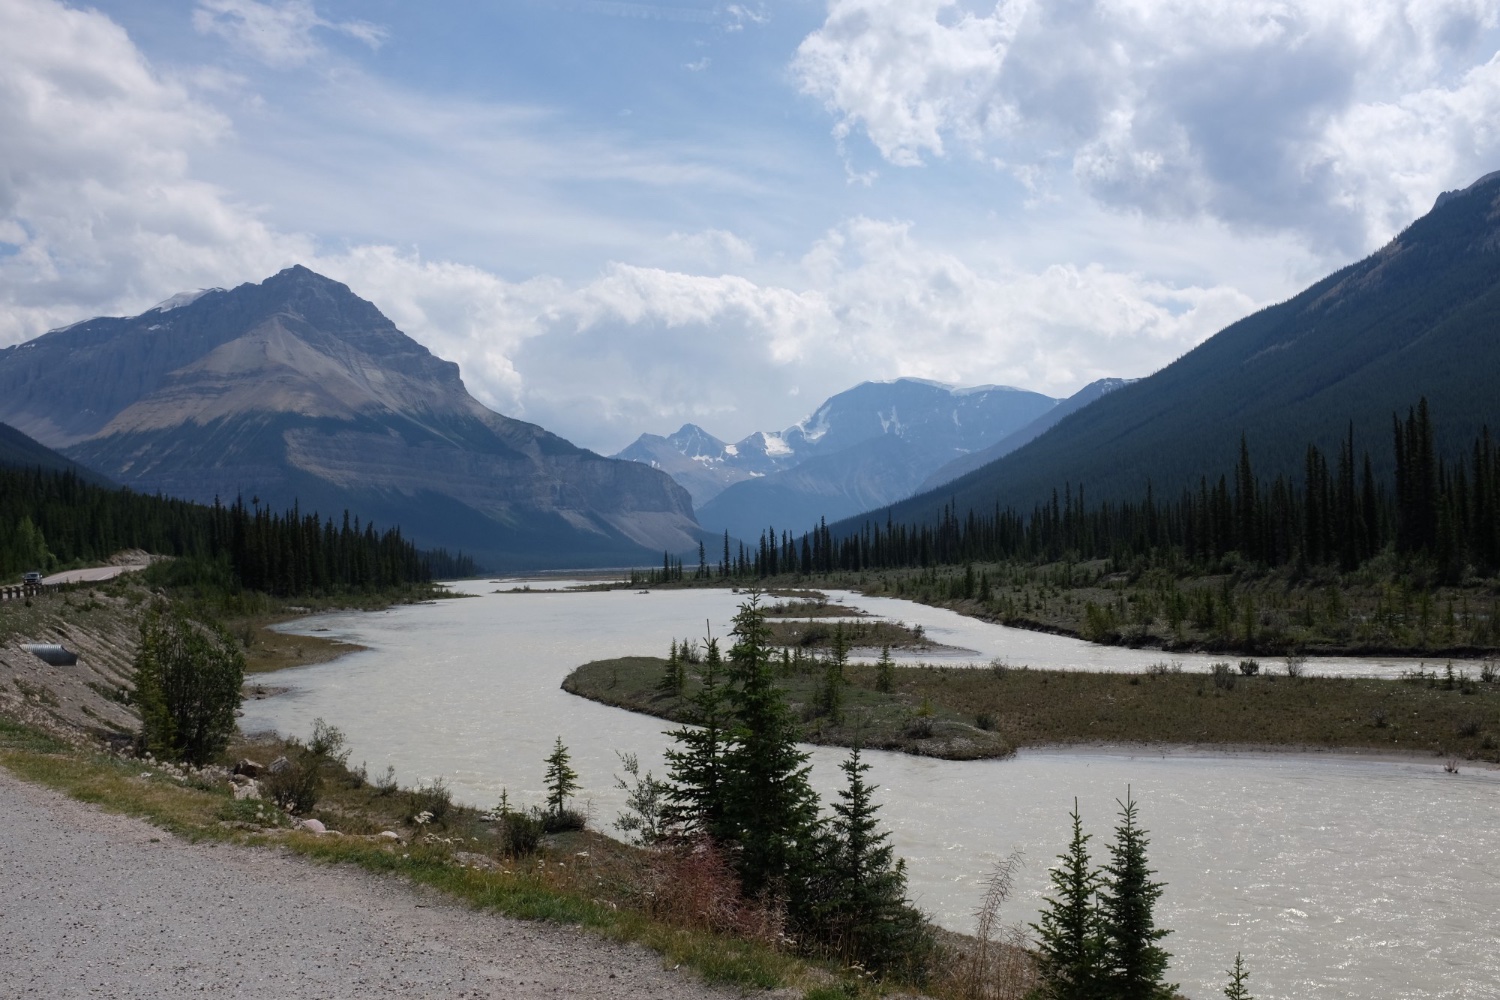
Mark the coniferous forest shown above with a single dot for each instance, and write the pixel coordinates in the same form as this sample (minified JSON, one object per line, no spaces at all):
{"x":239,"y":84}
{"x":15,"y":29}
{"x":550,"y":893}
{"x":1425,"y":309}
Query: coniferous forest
{"x":1439,"y":512}
{"x":62,"y":520}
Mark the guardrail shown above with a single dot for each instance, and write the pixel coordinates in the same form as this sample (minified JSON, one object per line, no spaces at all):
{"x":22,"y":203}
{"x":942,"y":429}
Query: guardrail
{"x":18,"y":591}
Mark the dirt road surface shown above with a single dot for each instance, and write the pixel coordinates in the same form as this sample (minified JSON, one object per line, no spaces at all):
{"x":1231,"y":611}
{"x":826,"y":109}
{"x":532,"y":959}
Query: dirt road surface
{"x":99,"y":905}
{"x":94,"y":574}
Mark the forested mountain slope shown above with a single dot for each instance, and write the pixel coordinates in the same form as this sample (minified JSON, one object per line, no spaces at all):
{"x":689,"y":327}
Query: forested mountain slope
{"x":1421,"y":317}
{"x":17,"y":451}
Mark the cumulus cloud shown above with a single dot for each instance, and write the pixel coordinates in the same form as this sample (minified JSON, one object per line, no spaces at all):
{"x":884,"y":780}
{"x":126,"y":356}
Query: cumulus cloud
{"x":1264,"y":114}
{"x":101,"y":212}
{"x":98,"y":202}
{"x":279,"y":34}
{"x":644,"y":348}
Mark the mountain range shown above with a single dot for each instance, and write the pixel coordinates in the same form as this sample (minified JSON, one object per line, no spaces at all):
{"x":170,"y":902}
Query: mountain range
{"x":297,"y":390}
{"x":1418,"y":318}
{"x":863,"y":448}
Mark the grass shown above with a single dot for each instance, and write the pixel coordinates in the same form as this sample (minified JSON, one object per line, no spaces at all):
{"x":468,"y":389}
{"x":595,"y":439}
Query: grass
{"x":1018,"y":707}
{"x":267,"y":650}
{"x":870,"y":718}
{"x":578,"y":879}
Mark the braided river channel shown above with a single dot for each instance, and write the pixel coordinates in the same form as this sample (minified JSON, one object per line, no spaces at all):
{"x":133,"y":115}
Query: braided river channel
{"x":1335,"y":875}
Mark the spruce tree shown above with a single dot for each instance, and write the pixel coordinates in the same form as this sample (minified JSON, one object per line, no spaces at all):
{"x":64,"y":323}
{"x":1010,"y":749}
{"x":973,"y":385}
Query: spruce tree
{"x":1237,"y":990}
{"x":695,"y":764}
{"x":1134,"y":963}
{"x":831,"y":692}
{"x":561,"y":780}
{"x":885,"y":671}
{"x":674,"y":674}
{"x":1070,"y":944}
{"x":770,"y":808}
{"x":861,"y":905}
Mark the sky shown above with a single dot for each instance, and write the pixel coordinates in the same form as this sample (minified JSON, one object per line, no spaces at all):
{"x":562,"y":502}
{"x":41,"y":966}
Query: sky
{"x":618,"y":217}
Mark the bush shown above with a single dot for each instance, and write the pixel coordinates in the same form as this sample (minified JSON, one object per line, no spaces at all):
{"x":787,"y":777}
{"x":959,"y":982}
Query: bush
{"x":1249,"y":668}
{"x":295,"y":781}
{"x":434,"y":800}
{"x":187,"y":684}
{"x":694,"y":884}
{"x":521,"y":832}
{"x":919,"y":727}
{"x":985,"y":721}
{"x":1223,"y":676}
{"x":562,"y":820}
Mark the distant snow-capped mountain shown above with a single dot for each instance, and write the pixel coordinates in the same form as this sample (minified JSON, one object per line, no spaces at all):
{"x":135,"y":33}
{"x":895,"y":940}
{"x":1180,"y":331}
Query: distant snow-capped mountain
{"x":865,"y":447}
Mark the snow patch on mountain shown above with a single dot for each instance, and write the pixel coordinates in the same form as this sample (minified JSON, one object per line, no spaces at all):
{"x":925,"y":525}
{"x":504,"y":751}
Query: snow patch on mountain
{"x":181,"y":299}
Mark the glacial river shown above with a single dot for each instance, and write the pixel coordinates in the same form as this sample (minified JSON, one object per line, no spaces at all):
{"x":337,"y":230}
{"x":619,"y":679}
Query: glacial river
{"x":1335,"y":876}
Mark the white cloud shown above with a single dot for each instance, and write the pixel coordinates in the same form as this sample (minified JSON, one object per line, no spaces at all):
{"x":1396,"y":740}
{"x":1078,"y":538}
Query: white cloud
{"x":96,"y":192}
{"x":101,"y":204}
{"x":645,"y":348}
{"x":279,"y":34}
{"x":1265,"y":114}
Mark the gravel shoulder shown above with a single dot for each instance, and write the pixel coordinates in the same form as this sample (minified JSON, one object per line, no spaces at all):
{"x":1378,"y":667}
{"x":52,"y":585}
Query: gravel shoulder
{"x":102,"y":905}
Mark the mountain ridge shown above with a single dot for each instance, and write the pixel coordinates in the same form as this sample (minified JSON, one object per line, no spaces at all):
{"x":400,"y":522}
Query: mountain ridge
{"x":296,"y":389}
{"x":1415,"y":318}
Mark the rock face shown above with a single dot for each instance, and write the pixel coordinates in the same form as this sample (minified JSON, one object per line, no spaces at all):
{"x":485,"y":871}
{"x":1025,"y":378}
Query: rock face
{"x":295,"y":389}
{"x":863,"y":448}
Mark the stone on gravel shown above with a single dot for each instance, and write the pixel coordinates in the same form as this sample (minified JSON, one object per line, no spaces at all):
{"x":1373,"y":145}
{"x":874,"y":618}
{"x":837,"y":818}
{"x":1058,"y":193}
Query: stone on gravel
{"x":278,"y":765}
{"x":248,"y":767}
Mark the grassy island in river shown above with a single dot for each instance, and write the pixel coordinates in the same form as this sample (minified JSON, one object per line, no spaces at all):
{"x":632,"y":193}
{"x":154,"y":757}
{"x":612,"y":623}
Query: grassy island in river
{"x":968,"y":712}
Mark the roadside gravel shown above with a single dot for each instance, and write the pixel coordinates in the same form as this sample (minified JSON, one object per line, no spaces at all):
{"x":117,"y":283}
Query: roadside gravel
{"x":98,"y":905}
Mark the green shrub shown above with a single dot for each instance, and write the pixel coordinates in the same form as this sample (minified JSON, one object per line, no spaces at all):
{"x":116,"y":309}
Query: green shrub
{"x":298,"y":782}
{"x":521,"y":832}
{"x":187,"y":684}
{"x":562,"y":820}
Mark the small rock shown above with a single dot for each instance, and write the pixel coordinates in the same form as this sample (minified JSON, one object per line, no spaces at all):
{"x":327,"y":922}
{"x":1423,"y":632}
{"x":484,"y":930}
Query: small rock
{"x":278,"y":765}
{"x":312,"y":825}
{"x":249,"y":790}
{"x":388,"y":835}
{"x":248,"y":767}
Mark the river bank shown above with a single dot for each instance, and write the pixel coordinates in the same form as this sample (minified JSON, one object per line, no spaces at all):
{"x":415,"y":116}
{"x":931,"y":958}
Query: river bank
{"x":966,"y":713}
{"x":1241,"y":611}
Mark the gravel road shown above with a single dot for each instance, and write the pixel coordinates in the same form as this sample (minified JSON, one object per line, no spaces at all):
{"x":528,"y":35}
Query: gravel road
{"x":98,"y":905}
{"x":94,"y":574}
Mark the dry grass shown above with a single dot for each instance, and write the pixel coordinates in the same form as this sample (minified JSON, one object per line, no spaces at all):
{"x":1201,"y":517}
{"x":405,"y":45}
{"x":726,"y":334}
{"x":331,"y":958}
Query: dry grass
{"x":980,"y":712}
{"x":1040,"y":707}
{"x":869,"y":718}
{"x":267,"y":650}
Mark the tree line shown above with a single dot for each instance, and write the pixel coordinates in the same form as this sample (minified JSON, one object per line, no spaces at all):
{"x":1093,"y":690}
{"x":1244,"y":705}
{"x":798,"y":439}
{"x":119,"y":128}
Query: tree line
{"x":60,"y":519}
{"x":1441,"y":511}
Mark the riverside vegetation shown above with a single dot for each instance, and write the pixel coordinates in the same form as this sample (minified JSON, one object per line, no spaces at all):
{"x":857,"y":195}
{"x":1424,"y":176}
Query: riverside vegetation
{"x":1346,"y":560}
{"x":973,"y":712}
{"x":738,"y":873}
